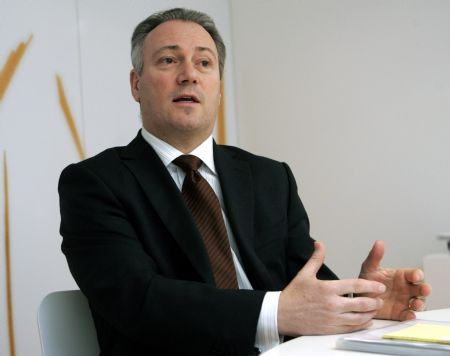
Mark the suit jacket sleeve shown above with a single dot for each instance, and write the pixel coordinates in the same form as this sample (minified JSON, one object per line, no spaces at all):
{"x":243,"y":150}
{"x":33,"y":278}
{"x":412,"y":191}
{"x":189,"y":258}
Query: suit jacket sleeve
{"x":135,"y":307}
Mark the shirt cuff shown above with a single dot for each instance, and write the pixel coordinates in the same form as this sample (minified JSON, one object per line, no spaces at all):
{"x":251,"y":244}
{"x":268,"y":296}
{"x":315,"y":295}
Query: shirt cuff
{"x":267,"y":330}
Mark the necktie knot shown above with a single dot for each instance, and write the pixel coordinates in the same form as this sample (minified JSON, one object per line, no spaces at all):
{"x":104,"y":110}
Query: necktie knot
{"x":188,"y":162}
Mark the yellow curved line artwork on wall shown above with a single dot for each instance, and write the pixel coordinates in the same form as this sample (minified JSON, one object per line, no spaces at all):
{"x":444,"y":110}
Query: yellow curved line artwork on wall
{"x":9,"y":304}
{"x":221,"y":130}
{"x":12,"y":62}
{"x":69,"y":117}
{"x":6,"y":74}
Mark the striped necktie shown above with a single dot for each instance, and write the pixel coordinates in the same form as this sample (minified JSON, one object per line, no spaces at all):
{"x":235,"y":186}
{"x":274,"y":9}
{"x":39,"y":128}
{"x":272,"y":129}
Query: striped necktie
{"x":206,"y":211}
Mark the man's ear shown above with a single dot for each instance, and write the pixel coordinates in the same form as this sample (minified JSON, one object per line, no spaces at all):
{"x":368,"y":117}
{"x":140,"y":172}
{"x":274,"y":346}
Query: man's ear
{"x":134,"y":84}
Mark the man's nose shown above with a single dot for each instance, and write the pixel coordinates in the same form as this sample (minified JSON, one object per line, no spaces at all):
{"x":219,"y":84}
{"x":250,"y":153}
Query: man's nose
{"x":188,"y":74}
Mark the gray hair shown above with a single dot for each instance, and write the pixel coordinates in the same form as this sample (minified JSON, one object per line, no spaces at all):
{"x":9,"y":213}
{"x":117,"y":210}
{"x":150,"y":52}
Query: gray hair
{"x":145,"y":27}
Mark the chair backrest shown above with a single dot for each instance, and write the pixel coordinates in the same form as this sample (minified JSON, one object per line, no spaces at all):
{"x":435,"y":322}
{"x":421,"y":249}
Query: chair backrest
{"x":66,"y":326}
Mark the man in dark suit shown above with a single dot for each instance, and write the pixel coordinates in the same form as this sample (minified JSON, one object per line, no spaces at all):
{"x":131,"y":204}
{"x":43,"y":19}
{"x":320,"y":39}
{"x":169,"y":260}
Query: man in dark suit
{"x":138,"y":252}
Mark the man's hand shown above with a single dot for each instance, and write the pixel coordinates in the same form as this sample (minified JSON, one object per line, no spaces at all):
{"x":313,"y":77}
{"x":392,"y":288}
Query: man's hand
{"x":405,"y":288}
{"x":308,"y":306}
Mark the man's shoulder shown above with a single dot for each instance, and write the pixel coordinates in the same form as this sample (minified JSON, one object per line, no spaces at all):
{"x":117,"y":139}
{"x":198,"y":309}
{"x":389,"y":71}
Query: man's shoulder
{"x":105,"y":163}
{"x":106,"y":157}
{"x":113,"y":155}
{"x":247,"y":156}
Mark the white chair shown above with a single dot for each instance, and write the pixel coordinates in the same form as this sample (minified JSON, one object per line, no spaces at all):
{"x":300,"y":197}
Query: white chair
{"x":436,"y":267}
{"x":66,"y":327}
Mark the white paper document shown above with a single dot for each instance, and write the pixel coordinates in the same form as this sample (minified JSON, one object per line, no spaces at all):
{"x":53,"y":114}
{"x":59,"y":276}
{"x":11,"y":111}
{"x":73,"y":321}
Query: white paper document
{"x":410,"y":338}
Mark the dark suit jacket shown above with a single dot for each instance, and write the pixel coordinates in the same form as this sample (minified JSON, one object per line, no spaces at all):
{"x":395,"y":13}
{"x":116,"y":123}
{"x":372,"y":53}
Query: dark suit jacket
{"x":135,"y":252}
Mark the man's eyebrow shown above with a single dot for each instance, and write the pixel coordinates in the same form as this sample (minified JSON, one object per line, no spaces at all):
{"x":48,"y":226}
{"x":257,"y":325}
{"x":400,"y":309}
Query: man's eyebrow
{"x":164,"y":48}
{"x":207,"y":49}
{"x":177,"y":47}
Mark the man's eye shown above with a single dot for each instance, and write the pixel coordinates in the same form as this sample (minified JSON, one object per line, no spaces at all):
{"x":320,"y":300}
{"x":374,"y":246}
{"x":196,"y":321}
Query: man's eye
{"x":167,"y":60}
{"x":204,"y":63}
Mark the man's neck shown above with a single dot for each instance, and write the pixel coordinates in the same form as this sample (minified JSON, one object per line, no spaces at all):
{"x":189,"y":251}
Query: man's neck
{"x":167,"y":153}
{"x":184,"y":143}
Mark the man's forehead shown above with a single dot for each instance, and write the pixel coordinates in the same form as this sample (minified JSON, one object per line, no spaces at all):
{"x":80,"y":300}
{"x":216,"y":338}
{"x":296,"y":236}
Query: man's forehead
{"x":177,"y":35}
{"x":177,"y":48}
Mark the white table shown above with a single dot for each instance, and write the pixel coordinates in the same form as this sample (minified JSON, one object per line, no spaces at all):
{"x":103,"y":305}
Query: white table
{"x":325,"y":345}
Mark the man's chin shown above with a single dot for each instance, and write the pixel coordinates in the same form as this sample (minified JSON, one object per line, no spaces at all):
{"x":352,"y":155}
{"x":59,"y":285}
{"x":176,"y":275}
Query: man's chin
{"x":191,"y":123}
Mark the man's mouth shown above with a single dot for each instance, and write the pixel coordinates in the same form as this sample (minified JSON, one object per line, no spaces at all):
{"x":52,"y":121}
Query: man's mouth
{"x":186,"y":99}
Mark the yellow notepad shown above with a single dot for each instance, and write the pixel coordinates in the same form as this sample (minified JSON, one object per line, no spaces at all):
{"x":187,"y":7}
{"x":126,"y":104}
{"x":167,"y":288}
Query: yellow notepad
{"x":422,"y":332}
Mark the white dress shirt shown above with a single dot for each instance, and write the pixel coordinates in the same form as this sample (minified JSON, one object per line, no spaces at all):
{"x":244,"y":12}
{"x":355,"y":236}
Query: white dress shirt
{"x":267,"y":329}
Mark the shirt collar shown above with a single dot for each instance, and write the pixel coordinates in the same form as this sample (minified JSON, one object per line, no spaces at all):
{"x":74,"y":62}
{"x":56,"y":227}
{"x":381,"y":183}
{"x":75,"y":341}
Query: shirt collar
{"x":168,"y":153}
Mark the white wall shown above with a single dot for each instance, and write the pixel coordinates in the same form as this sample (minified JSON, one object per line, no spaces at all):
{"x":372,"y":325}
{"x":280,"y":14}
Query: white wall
{"x":355,"y":96}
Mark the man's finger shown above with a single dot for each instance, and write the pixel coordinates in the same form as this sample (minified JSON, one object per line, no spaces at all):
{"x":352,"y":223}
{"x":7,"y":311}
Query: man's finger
{"x":414,"y":275}
{"x":358,"y":286}
{"x":358,"y":318}
{"x":315,"y":261}
{"x":407,"y":315}
{"x":425,"y":290}
{"x":361,"y":304}
{"x":415,"y":290}
{"x":372,"y":262}
{"x":416,"y":304}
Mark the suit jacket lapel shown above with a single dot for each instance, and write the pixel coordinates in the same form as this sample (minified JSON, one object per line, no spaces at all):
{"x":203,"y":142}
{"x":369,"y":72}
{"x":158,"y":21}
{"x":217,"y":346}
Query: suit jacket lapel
{"x":238,"y":194}
{"x":166,"y":199}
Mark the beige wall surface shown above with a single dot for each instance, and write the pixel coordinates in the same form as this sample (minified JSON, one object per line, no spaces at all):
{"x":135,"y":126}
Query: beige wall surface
{"x":355,"y":96}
